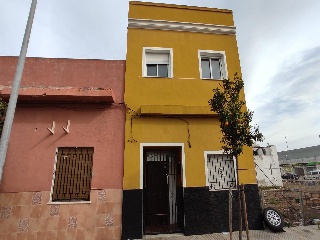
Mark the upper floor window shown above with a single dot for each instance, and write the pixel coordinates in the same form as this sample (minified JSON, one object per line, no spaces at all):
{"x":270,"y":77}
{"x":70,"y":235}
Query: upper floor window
{"x":157,"y":62}
{"x":212,"y":65}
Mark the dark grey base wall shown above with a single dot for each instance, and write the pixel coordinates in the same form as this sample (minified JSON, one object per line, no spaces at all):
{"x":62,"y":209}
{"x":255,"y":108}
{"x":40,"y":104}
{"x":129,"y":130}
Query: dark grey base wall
{"x":205,"y":212}
{"x":254,"y":210}
{"x":132,"y":214}
{"x":208,"y":212}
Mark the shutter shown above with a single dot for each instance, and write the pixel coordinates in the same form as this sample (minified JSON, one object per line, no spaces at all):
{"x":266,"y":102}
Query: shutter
{"x":73,"y":174}
{"x":157,"y":58}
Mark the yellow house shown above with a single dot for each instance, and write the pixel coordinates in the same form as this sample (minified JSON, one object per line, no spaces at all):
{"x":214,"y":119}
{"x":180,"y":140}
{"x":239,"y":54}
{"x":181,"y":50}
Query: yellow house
{"x":176,"y":176}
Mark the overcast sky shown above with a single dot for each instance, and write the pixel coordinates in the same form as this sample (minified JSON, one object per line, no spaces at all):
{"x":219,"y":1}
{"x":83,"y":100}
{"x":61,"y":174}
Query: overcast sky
{"x":278,"y":40}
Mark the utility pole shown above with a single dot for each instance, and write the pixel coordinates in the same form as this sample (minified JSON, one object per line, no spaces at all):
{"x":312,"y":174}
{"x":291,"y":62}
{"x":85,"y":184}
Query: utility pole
{"x":15,"y":90}
{"x":287,"y":155}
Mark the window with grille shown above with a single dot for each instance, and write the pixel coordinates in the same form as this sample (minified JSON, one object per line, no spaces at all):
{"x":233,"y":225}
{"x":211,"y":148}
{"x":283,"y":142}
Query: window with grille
{"x":157,"y":62}
{"x":220,"y":172}
{"x":212,"y":65}
{"x":73,"y":173}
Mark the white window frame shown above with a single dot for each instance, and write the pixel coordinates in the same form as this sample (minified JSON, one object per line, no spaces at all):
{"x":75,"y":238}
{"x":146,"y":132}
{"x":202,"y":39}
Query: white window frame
{"x":183,"y":162}
{"x":211,"y":54}
{"x":206,"y":153}
{"x":157,"y":50}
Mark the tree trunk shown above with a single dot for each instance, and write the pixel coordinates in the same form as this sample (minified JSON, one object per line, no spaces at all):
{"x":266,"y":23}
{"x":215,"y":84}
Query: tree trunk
{"x":239,"y":200}
{"x":230,"y":212}
{"x":243,"y":196}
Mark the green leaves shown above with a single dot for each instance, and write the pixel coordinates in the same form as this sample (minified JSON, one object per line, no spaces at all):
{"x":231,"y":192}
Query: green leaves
{"x":3,"y":110}
{"x":234,"y":118}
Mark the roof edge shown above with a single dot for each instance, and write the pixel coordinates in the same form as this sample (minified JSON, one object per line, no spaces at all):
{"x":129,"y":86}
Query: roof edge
{"x":72,"y":59}
{"x":180,"y":6}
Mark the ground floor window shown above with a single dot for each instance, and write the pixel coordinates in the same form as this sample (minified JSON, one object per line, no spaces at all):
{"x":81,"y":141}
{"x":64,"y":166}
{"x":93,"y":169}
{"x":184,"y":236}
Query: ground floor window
{"x":73,"y":173}
{"x":220,"y":172}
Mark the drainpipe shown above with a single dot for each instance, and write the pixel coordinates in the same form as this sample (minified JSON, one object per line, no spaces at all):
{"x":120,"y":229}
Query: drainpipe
{"x":15,"y":90}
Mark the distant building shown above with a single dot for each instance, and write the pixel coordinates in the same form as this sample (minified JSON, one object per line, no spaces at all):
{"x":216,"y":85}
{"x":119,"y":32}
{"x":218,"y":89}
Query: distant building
{"x":300,"y":161}
{"x":267,"y":166}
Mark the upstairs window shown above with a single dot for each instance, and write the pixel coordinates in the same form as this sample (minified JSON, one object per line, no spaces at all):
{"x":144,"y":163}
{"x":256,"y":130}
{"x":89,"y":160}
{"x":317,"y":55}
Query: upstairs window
{"x":157,"y":62}
{"x":212,"y":65}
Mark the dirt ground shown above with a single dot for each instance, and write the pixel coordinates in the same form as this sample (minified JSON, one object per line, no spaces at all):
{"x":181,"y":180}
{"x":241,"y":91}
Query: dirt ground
{"x":298,"y":201}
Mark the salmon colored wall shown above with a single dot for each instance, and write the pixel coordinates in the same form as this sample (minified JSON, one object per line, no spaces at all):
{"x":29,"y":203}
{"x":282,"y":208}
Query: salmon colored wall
{"x":56,"y":72}
{"x":30,"y":159}
{"x":27,"y":215}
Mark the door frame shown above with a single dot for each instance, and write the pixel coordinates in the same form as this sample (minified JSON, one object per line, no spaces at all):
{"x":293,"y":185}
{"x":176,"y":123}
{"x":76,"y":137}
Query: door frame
{"x":183,"y":170}
{"x":142,"y":145}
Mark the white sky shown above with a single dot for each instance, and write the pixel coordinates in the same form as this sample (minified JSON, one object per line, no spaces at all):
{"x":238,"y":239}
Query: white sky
{"x":279,"y":46}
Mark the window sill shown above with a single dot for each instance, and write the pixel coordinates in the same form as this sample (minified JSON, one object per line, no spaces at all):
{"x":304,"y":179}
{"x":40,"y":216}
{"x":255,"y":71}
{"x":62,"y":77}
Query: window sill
{"x":155,"y":77}
{"x":68,"y":203}
{"x":212,"y":79}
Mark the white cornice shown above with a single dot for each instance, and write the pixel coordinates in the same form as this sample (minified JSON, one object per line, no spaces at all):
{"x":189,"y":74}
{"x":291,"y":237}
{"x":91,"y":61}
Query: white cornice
{"x":181,"y":26}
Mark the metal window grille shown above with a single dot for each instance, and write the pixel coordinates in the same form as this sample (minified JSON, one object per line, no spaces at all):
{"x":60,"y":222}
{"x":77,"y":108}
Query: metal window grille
{"x":221,"y":172}
{"x":72,"y":181}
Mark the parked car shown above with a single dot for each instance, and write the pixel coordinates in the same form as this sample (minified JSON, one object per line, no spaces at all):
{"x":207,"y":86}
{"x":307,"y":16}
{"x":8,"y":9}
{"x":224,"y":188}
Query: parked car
{"x":313,"y":175}
{"x":290,"y":176}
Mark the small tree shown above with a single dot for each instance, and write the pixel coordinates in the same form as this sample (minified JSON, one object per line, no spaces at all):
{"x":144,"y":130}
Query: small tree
{"x":234,"y":118}
{"x":235,"y":121}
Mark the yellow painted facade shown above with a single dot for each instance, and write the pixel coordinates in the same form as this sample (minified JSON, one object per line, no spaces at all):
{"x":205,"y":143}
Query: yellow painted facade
{"x":175,"y":109}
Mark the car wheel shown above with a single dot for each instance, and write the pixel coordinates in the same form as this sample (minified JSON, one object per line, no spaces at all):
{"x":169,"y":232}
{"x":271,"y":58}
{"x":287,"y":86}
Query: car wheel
{"x":273,"y":219}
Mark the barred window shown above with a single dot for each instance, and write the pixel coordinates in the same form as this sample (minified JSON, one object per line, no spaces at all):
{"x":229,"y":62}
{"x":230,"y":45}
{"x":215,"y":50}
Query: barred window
{"x":220,"y":172}
{"x":73,"y":173}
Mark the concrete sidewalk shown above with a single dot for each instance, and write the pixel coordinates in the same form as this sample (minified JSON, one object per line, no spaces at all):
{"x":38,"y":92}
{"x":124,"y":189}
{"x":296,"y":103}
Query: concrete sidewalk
{"x":311,"y":232}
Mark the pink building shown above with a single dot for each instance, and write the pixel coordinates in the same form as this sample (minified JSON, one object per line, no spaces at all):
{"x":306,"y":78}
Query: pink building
{"x":63,"y":172}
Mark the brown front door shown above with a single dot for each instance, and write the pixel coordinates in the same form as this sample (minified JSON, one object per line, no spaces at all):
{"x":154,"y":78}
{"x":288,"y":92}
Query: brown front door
{"x":162,"y":191}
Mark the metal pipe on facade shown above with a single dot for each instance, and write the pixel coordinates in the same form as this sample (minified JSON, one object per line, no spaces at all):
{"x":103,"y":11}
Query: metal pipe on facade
{"x":15,"y":90}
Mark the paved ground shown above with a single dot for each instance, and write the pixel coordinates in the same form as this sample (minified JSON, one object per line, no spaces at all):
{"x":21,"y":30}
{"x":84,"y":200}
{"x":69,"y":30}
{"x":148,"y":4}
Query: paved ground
{"x":293,"y":233}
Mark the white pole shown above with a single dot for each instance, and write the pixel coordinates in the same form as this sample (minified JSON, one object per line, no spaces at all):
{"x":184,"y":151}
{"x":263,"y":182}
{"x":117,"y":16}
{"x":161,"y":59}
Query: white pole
{"x":15,"y":90}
